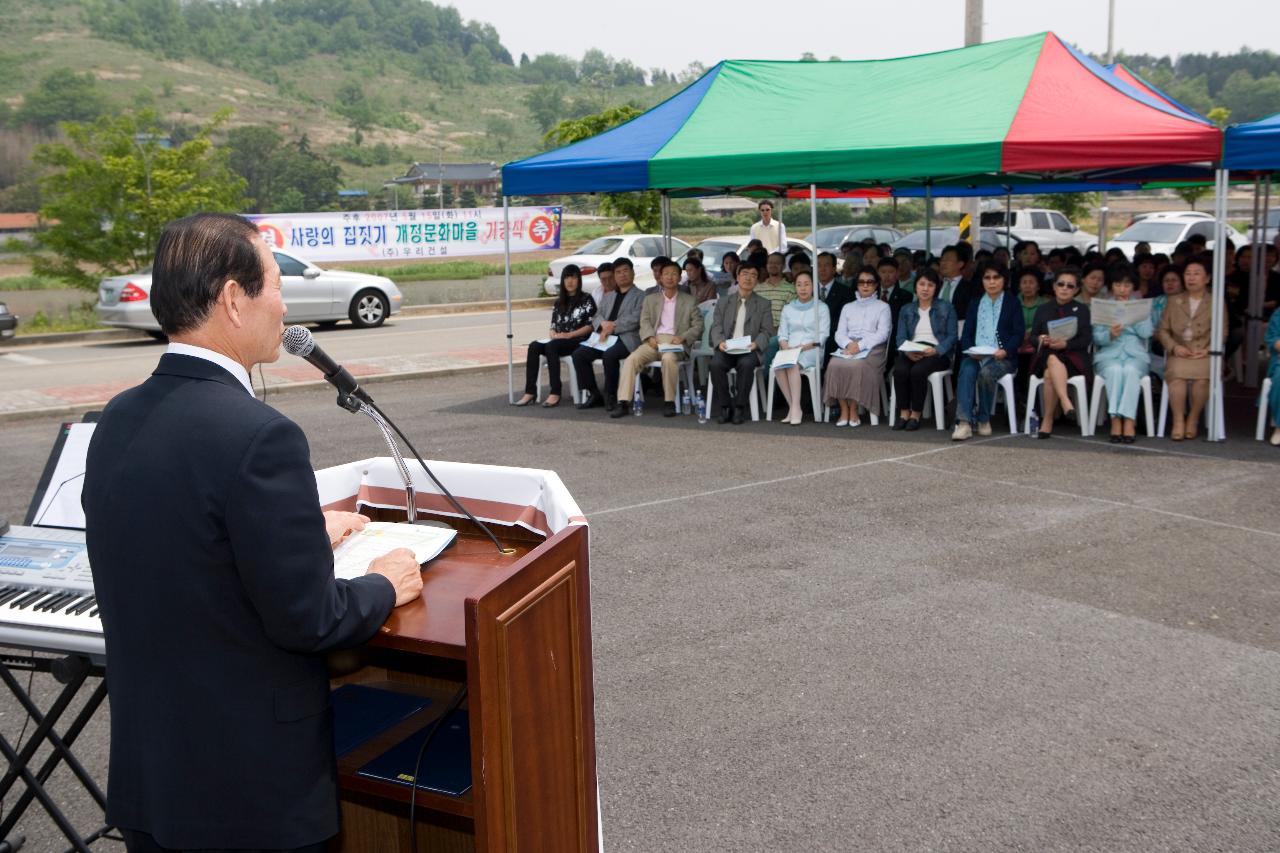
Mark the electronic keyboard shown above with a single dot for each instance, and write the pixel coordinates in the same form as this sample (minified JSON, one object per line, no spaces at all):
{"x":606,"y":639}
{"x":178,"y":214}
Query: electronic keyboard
{"x":46,"y":592}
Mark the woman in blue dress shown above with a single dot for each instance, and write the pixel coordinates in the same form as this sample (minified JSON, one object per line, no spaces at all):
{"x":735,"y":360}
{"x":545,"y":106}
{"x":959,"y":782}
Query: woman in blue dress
{"x":803,"y":326}
{"x":1122,"y":357}
{"x":1273,"y":373}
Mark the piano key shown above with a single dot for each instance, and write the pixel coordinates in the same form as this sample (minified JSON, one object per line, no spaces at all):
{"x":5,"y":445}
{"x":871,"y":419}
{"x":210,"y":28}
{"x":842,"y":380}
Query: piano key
{"x":94,"y":613}
{"x":10,"y":593}
{"x":53,"y":622}
{"x":22,"y":601}
{"x":86,"y":604}
{"x":47,"y":597}
{"x":54,"y":604}
{"x":74,"y":603}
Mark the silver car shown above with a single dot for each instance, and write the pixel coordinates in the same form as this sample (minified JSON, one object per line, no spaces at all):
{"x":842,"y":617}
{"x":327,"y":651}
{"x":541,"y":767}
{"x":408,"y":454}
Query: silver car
{"x":313,"y":295}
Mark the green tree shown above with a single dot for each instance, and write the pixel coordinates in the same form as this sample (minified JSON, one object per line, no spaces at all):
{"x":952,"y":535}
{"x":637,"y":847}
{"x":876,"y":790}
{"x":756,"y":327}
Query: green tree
{"x":546,"y":104}
{"x":281,"y":177}
{"x":62,"y":95}
{"x":467,"y":198}
{"x":355,"y":106}
{"x":112,"y":187}
{"x":1192,"y":194}
{"x":1074,"y":206}
{"x":642,"y":208}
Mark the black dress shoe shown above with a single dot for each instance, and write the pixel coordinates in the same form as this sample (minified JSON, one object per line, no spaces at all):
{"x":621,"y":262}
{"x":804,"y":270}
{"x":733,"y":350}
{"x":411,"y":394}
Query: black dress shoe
{"x":669,"y":410}
{"x":726,"y":415}
{"x":739,"y":416}
{"x":913,"y":424}
{"x":1115,"y":439}
{"x":1044,"y":435}
{"x":900,"y":424}
{"x":620,"y":411}
{"x":591,"y":401}
{"x":1129,"y":439}
{"x":610,"y":402}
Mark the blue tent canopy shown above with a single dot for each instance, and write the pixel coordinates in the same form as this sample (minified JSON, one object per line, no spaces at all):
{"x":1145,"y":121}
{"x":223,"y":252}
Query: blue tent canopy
{"x":1255,"y":145}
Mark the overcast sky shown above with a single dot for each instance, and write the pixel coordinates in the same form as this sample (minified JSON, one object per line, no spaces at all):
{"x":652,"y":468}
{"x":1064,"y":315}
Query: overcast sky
{"x":672,"y":33}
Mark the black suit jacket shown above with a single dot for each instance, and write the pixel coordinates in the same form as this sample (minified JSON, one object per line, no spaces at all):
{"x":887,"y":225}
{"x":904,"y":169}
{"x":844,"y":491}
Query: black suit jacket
{"x":839,"y":296}
{"x":214,"y":578}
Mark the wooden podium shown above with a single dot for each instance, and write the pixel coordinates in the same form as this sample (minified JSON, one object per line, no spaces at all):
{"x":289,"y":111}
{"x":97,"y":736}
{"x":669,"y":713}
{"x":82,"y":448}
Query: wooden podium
{"x":516,"y":630}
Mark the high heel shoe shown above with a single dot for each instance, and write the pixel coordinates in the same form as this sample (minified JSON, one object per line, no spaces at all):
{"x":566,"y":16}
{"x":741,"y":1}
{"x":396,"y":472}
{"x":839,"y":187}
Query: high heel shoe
{"x":523,"y":401}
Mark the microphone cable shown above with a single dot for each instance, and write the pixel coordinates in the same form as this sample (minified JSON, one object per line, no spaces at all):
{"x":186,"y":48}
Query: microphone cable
{"x":368,"y":401}
{"x":422,"y":751}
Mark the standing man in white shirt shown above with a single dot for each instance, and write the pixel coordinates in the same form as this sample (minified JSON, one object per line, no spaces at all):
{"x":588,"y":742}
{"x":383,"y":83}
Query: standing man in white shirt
{"x":771,"y":233}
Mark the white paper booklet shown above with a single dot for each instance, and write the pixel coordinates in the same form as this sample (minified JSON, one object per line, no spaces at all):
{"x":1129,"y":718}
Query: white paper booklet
{"x":670,"y":348}
{"x":786,"y":358}
{"x":737,"y":346}
{"x":597,"y":342}
{"x":1112,"y":312}
{"x":1064,"y":329}
{"x":980,"y":351}
{"x":351,"y":559}
{"x":913,"y":346}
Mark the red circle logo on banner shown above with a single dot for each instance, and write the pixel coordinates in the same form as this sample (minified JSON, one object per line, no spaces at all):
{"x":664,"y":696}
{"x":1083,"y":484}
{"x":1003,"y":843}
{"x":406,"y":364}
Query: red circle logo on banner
{"x":272,"y":236}
{"x":541,"y":230}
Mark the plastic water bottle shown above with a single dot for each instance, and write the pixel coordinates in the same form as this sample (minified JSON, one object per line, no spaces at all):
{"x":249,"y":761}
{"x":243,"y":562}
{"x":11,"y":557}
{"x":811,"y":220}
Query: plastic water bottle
{"x":685,"y":403}
{"x":1035,"y":424}
{"x":637,"y":403}
{"x":701,"y":404}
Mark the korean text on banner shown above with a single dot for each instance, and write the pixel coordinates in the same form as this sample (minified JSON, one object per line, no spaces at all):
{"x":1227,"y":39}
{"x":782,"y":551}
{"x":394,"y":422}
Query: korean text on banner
{"x":396,"y":234}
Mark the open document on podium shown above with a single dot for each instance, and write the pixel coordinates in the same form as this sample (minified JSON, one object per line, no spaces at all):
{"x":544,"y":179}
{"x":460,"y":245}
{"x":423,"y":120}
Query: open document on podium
{"x":351,"y":559}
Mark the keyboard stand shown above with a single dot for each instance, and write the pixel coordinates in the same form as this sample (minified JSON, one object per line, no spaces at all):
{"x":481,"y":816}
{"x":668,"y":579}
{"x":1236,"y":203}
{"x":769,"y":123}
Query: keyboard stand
{"x":72,"y":671}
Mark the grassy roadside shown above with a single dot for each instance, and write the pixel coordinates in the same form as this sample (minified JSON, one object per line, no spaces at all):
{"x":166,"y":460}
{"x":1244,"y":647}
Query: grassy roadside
{"x":455,"y":270}
{"x":80,"y":318}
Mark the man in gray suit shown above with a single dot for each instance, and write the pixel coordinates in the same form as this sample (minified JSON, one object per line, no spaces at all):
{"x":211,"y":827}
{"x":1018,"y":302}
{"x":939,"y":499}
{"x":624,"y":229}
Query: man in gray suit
{"x":619,"y":319}
{"x":741,"y":314}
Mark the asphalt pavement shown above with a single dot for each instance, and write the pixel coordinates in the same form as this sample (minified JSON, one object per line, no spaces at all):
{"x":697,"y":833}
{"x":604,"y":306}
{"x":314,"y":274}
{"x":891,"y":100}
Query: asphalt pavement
{"x":844,"y":640}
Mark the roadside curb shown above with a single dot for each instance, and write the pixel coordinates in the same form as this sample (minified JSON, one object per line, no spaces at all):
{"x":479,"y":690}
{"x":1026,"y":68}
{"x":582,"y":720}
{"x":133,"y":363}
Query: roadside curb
{"x":94,"y":335}
{"x":432,"y":373}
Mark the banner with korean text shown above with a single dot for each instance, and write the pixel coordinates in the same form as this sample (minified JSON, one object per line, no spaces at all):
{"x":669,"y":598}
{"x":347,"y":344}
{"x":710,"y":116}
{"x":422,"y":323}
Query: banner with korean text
{"x":408,"y":234}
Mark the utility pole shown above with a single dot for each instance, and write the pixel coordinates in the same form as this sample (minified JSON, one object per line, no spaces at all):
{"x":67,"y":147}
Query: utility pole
{"x":440,"y":175}
{"x":1103,"y":209}
{"x":972,"y":36}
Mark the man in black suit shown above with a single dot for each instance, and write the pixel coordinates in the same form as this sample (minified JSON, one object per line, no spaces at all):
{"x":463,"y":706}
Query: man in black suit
{"x":745,"y":314}
{"x":213,"y":568}
{"x":835,"y":293}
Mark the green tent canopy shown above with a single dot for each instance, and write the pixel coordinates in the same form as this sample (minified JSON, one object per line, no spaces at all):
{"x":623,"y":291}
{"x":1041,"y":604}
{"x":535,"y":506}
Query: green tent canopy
{"x":1018,"y":109}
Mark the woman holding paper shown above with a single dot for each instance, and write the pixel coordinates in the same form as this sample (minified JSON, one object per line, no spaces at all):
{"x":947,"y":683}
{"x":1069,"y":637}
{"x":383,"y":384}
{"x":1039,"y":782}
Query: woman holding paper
{"x":804,"y":327}
{"x":570,"y":325}
{"x":855,"y":374}
{"x":1185,"y":328}
{"x":993,"y":330}
{"x":1122,"y":358}
{"x":926,"y":338}
{"x":1060,"y":356}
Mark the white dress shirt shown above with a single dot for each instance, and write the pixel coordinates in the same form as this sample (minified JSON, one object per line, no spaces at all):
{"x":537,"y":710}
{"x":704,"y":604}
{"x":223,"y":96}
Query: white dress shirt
{"x":233,"y":367}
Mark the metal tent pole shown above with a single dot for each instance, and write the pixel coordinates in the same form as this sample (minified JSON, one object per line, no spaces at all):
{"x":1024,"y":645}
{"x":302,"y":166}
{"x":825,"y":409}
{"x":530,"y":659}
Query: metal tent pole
{"x":1217,"y":305}
{"x":506,"y":252}
{"x":666,"y":224}
{"x":928,"y":220}
{"x":821,"y":349}
{"x":1008,"y":222}
{"x":1252,"y":327}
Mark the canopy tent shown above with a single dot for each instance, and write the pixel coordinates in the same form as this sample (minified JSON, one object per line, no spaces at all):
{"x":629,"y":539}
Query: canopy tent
{"x":1255,"y":146}
{"x":1018,"y":111}
{"x":1026,"y":105}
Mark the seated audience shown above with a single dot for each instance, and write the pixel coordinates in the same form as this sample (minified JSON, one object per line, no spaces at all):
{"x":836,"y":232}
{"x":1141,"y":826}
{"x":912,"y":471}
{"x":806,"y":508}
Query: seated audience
{"x":1273,"y":372}
{"x":667,"y":316}
{"x":1057,"y":359}
{"x":1092,"y":280}
{"x":1122,"y":358}
{"x":571,"y":318}
{"x":893,"y":296}
{"x":605,"y":273}
{"x":929,"y":321}
{"x":906,"y":271}
{"x":805,"y":326}
{"x":696,"y":284}
{"x":995,"y":324}
{"x":862,"y":337}
{"x":741,"y":314}
{"x":618,"y":318}
{"x":1184,"y":332}
{"x":1144,"y":265}
{"x":728,"y":275}
{"x":779,"y":292}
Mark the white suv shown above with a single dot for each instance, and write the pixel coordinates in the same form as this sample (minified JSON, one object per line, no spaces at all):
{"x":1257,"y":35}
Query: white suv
{"x":1166,"y":229}
{"x":1050,"y":229}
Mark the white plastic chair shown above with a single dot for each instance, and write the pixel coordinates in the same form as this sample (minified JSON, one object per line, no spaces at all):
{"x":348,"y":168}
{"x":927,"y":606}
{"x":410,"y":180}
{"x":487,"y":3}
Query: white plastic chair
{"x":1100,"y":411}
{"x":815,"y":393}
{"x":887,"y":396}
{"x":940,"y":388}
{"x":1164,"y":412}
{"x":754,"y":396}
{"x":1263,"y":403}
{"x":1006,"y":385}
{"x":684,"y":380}
{"x":1076,"y":384}
{"x":566,"y":363}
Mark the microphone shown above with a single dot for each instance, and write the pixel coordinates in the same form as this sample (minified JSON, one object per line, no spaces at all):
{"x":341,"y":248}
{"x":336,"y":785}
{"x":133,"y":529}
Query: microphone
{"x":299,"y":341}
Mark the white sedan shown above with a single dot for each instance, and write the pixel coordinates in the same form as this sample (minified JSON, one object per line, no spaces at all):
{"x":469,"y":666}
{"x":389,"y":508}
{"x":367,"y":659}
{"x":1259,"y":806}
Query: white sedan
{"x":313,"y":295}
{"x":640,"y":248}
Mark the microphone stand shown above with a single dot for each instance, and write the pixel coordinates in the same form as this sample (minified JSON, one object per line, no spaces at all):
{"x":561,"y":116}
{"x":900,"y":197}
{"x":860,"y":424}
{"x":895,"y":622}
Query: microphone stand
{"x":356,"y":400}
